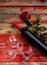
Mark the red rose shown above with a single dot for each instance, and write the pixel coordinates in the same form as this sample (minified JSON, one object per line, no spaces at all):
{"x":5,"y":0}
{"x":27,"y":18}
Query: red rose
{"x":25,"y":15}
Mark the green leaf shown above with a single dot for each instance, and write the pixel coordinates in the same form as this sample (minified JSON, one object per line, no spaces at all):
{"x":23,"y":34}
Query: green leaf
{"x":42,"y":28}
{"x":43,"y":36}
{"x":39,"y":21}
{"x":36,"y":28}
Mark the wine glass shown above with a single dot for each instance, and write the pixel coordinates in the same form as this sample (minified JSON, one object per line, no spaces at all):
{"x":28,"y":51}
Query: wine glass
{"x":8,"y":54}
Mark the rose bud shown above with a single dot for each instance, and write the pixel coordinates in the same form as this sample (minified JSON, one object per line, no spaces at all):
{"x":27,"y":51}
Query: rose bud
{"x":25,"y":15}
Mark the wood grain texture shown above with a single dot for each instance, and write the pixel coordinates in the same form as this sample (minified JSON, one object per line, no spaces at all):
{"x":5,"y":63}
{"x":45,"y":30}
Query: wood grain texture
{"x":24,"y":63}
{"x":24,"y":2}
{"x":10,"y":14}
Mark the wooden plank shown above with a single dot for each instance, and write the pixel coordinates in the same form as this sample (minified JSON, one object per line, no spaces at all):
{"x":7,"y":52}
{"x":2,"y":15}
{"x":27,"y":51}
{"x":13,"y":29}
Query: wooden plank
{"x":24,"y":2}
{"x":24,"y":63}
{"x":10,"y":14}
